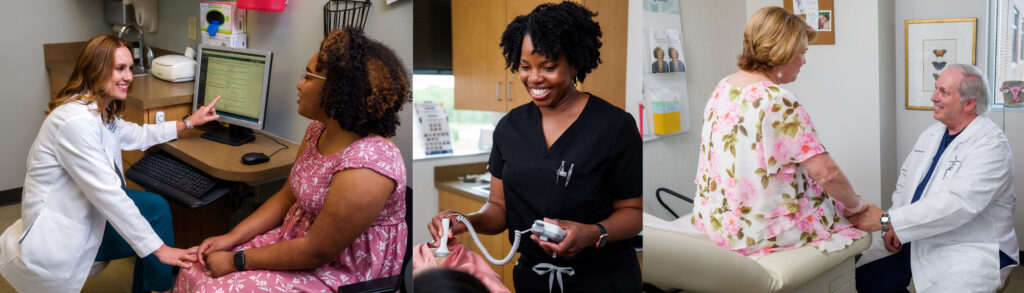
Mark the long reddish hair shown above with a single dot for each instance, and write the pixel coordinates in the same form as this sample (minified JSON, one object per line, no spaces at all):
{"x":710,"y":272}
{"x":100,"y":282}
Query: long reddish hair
{"x":88,"y":82}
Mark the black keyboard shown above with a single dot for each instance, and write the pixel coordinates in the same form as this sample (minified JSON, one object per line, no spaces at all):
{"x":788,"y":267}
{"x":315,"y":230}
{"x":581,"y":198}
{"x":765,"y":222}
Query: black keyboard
{"x":165,"y":175}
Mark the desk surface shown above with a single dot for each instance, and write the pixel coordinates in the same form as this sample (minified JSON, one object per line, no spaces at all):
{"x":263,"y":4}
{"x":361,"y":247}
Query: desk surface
{"x":225,"y":161}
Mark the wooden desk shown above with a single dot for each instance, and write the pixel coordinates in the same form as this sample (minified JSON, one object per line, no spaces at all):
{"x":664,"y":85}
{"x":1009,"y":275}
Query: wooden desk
{"x":225,"y":161}
{"x":192,"y":226}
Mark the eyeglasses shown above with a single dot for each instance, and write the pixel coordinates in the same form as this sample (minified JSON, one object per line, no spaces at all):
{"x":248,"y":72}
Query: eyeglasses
{"x":306,"y":75}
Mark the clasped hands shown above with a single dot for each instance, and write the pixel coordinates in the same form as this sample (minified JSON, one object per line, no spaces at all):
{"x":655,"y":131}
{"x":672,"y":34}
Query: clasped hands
{"x":870,"y":220}
{"x":213,"y":254}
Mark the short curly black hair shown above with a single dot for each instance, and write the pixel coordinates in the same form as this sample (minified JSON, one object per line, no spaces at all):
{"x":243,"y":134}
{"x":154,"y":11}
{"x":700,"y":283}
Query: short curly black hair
{"x":366,"y":85}
{"x":554,"y":29}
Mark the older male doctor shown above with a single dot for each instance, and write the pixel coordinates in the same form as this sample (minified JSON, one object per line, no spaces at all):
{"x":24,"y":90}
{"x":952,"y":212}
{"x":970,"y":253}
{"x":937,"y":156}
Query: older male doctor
{"x":950,"y":228}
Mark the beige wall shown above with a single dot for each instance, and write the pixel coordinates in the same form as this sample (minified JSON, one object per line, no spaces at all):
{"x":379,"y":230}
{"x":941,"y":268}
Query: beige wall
{"x":27,"y":26}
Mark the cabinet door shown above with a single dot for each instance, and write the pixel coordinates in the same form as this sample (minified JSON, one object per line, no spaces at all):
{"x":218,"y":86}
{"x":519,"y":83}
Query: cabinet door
{"x":477,"y":63}
{"x":514,"y":87}
{"x":608,"y":80}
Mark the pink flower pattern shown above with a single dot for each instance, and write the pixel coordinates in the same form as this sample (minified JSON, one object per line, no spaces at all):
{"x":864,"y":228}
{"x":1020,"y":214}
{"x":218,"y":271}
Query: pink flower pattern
{"x":377,"y":253}
{"x":762,"y":193}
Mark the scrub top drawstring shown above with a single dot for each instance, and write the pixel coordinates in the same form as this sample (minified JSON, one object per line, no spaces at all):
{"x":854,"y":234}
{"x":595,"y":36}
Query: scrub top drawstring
{"x":553,"y":271}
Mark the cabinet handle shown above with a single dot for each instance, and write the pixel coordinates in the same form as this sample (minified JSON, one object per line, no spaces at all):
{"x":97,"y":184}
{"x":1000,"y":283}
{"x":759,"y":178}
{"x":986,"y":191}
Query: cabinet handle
{"x":497,"y":91}
{"x":508,"y":85}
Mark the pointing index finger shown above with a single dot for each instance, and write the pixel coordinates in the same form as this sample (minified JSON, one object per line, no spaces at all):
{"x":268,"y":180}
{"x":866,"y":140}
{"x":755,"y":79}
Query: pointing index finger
{"x":214,"y":101}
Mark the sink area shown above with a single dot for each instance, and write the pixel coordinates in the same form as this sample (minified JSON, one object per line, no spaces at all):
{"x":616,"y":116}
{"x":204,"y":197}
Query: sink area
{"x":482,"y":188}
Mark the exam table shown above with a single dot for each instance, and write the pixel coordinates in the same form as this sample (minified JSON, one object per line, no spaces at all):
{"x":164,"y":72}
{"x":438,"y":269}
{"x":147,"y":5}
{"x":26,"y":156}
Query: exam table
{"x":677,"y":256}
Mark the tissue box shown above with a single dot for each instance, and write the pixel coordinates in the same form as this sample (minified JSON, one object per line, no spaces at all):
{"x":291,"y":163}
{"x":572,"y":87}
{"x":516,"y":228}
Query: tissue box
{"x":225,"y":40}
{"x":232,"y":18}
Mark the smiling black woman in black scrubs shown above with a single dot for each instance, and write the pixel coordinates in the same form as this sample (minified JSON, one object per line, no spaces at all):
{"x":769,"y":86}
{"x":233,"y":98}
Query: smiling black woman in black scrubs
{"x":568,"y":157}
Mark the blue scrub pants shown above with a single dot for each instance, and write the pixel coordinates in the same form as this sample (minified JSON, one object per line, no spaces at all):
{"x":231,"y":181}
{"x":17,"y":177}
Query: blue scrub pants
{"x":150,"y":274}
{"x":892,"y":273}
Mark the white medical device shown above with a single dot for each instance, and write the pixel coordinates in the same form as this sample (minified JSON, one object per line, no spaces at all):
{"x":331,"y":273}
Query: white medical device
{"x":544,"y":230}
{"x":174,"y":68}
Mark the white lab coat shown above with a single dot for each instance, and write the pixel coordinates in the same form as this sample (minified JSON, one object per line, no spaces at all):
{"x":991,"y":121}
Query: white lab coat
{"x":71,"y":190}
{"x":965,"y":214}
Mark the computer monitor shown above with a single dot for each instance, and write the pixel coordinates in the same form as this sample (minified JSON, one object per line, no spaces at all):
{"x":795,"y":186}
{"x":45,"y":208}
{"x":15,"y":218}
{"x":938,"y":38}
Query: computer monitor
{"x":241,"y":77}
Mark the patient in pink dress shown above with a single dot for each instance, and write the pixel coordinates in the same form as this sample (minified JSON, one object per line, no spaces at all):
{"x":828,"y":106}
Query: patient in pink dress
{"x":340,"y":219}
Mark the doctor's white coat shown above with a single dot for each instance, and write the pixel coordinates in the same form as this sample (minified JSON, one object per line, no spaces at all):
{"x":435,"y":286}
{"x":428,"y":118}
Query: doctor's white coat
{"x":965,"y":215}
{"x":71,"y":190}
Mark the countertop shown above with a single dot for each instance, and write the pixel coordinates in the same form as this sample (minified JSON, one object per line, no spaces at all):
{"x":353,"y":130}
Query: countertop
{"x":145,"y":91}
{"x":469,"y":190}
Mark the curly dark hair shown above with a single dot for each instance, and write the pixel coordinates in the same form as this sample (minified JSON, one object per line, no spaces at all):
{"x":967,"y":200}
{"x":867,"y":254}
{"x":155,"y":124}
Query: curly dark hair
{"x":366,"y":85}
{"x":554,"y":29}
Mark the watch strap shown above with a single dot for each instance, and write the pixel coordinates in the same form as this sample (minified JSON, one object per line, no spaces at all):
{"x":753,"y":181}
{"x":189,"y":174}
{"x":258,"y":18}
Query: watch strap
{"x":885,"y":220}
{"x":240,"y":260}
{"x":603,"y":238}
{"x":188,"y":123}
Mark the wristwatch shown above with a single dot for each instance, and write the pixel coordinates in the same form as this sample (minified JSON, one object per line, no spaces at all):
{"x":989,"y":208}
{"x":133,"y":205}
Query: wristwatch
{"x":240,"y":260}
{"x":603,"y":239}
{"x":885,"y":222}
{"x":188,"y":123}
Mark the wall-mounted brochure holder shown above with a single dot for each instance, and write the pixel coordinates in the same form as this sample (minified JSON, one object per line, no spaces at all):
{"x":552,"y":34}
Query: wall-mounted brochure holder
{"x":665,"y":104}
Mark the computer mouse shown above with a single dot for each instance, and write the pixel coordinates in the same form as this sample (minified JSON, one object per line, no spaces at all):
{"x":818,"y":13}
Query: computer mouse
{"x":254,"y":158}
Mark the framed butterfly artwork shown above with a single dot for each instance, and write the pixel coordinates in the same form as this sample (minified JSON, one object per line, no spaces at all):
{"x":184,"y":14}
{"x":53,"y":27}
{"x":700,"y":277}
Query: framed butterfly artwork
{"x":932,"y":45}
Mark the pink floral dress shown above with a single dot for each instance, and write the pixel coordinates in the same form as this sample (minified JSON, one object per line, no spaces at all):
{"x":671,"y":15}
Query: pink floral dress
{"x":753,"y":197}
{"x":375,"y":254}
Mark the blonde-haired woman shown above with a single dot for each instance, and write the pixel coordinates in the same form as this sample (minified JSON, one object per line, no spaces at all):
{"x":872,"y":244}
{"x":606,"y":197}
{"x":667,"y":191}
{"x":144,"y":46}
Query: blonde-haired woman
{"x":75,"y":209}
{"x":764,"y":181}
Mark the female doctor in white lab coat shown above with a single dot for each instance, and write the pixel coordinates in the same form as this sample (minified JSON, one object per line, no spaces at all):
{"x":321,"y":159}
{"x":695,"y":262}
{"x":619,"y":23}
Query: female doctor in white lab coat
{"x":73,"y":183}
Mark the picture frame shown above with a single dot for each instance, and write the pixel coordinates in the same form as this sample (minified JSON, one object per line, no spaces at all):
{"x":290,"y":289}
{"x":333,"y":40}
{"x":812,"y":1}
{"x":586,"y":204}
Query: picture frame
{"x":930,"y":46}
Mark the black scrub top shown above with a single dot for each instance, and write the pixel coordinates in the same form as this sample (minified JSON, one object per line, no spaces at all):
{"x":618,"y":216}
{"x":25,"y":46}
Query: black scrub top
{"x":604,"y":150}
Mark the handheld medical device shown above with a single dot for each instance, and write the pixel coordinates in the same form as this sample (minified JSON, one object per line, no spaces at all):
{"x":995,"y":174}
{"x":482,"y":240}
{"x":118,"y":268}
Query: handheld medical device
{"x":546,"y":231}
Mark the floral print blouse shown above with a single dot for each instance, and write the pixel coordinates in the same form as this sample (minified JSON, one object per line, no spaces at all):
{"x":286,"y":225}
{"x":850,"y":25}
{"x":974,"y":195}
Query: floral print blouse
{"x":753,"y":197}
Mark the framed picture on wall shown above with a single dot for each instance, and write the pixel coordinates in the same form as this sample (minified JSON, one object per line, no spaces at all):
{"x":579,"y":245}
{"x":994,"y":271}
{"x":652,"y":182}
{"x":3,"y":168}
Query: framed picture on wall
{"x":930,"y":46}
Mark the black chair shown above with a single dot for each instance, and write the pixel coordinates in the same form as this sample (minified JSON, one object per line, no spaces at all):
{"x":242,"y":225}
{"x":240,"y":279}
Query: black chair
{"x":396,"y":282}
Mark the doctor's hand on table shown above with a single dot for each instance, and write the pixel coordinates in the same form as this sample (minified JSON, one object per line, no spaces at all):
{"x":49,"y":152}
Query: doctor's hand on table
{"x":578,"y":236}
{"x":176,"y":256}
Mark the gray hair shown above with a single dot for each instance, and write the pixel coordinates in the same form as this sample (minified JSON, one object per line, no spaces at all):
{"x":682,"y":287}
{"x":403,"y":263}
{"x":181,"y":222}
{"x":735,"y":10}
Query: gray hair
{"x":973,"y":86}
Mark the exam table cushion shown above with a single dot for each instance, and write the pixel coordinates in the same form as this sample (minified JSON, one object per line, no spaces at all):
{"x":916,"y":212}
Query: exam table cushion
{"x":676,"y":255}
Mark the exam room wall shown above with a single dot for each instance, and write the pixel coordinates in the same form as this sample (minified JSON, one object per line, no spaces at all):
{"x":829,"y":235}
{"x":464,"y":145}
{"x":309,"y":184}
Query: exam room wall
{"x":712,"y":37}
{"x":23,"y":74}
{"x":912,"y":122}
{"x":294,"y":35}
{"x":846,"y":88}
